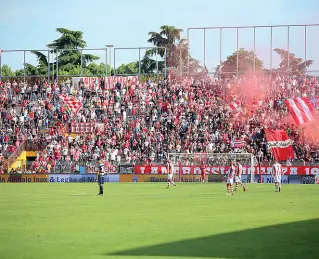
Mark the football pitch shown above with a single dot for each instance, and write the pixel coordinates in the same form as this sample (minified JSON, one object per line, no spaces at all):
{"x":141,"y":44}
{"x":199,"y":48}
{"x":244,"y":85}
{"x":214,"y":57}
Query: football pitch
{"x":145,"y":220}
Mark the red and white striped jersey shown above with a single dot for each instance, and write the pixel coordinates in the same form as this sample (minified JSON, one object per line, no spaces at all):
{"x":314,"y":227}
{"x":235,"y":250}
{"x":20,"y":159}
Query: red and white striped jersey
{"x":276,"y":169}
{"x":239,"y":170}
{"x":170,"y":168}
{"x":231,"y":172}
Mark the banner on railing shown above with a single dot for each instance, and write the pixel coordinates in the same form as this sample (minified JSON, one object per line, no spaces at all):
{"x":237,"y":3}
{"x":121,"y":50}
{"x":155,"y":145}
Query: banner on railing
{"x":122,"y":79}
{"x":287,"y":170}
{"x":111,"y":81}
{"x":92,"y":168}
{"x":62,"y":167}
{"x":86,"y":81}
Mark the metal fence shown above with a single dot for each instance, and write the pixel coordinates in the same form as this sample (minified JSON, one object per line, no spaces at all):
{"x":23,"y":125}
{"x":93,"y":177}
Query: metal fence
{"x":140,"y":59}
{"x":51,"y":55}
{"x":221,"y":42}
{"x":53,"y":71}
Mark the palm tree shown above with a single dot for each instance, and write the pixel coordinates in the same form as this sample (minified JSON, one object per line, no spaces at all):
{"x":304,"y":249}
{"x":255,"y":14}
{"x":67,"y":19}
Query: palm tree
{"x":176,"y":48}
{"x":168,"y":37}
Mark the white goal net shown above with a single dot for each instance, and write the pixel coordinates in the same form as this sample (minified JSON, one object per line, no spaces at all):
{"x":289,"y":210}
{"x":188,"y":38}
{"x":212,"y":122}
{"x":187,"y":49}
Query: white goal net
{"x":216,"y":163}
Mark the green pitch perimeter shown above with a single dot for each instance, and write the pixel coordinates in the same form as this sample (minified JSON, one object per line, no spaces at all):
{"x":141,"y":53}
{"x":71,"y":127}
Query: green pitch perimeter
{"x":144,"y":220}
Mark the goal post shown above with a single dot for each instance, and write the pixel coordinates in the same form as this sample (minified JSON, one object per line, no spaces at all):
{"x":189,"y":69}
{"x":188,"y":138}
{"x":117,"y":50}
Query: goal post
{"x":216,"y":162}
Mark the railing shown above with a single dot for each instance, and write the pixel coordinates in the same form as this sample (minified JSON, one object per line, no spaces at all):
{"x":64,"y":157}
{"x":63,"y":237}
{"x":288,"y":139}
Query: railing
{"x":13,"y":157}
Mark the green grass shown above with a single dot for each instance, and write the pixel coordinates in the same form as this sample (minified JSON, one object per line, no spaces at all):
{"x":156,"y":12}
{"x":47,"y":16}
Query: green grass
{"x":144,"y":220}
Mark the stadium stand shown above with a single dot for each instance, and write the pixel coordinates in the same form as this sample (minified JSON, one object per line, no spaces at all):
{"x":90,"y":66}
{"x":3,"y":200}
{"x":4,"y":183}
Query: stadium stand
{"x":134,"y":123}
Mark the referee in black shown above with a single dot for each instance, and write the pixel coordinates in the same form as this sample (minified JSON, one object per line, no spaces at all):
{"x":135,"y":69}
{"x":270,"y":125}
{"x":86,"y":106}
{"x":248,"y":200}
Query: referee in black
{"x":100,"y":177}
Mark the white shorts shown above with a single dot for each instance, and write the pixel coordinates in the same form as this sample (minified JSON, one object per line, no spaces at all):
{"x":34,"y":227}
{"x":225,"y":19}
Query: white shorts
{"x":169,"y":177}
{"x":229,"y":181}
{"x":237,"y":179}
{"x":277,"y":178}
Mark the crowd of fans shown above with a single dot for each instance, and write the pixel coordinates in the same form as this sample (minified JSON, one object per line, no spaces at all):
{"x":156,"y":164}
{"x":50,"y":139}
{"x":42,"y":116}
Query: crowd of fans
{"x":143,"y":122}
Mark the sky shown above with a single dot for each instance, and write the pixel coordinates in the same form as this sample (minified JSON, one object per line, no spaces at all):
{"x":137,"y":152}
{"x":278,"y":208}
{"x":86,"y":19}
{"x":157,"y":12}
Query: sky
{"x":31,"y":24}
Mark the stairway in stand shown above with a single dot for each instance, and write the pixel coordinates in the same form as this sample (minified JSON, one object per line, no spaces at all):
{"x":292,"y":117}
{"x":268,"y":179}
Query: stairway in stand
{"x":15,"y":155}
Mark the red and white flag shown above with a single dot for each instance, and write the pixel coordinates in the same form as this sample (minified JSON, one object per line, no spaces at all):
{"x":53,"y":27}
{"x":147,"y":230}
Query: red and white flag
{"x":72,"y":103}
{"x":1,"y":51}
{"x":234,"y":107}
{"x":301,"y":110}
{"x":280,"y":144}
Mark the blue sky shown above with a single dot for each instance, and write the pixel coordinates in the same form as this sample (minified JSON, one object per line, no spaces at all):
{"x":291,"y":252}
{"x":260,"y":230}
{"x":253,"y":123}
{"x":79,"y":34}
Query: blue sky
{"x":30,"y":24}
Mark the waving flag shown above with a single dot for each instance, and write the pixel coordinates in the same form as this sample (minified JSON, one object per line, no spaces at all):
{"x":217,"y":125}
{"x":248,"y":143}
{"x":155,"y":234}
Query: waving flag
{"x":72,"y":103}
{"x":234,"y":107}
{"x":301,"y":110}
{"x":280,"y":144}
{"x":1,"y":51}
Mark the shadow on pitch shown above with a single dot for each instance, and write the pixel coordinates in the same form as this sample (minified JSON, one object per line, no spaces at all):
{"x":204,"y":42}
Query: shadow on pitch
{"x":291,"y":240}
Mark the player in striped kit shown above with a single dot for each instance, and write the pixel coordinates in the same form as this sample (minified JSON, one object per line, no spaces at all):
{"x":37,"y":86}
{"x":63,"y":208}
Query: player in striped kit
{"x":276,"y":173}
{"x":239,"y":171}
{"x":230,"y":178}
{"x":170,"y":174}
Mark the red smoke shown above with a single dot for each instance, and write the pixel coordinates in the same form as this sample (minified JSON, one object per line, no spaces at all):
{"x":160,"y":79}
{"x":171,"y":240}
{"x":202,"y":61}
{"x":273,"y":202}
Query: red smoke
{"x":311,"y":130}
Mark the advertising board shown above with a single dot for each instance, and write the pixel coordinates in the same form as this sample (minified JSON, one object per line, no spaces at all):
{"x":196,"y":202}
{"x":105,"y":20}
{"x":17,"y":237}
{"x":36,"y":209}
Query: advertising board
{"x":74,"y":178}
{"x":23,"y":178}
{"x":158,"y":178}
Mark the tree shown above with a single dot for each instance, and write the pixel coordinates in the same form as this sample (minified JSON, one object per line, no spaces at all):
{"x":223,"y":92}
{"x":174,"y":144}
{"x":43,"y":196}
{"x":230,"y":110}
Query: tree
{"x":297,"y":66}
{"x":68,"y":46}
{"x":7,"y":71}
{"x":245,"y":63}
{"x":177,"y":55}
{"x":69,"y":56}
{"x":168,"y":37}
{"x":151,"y":66}
{"x":127,"y":69}
{"x":30,"y":70}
